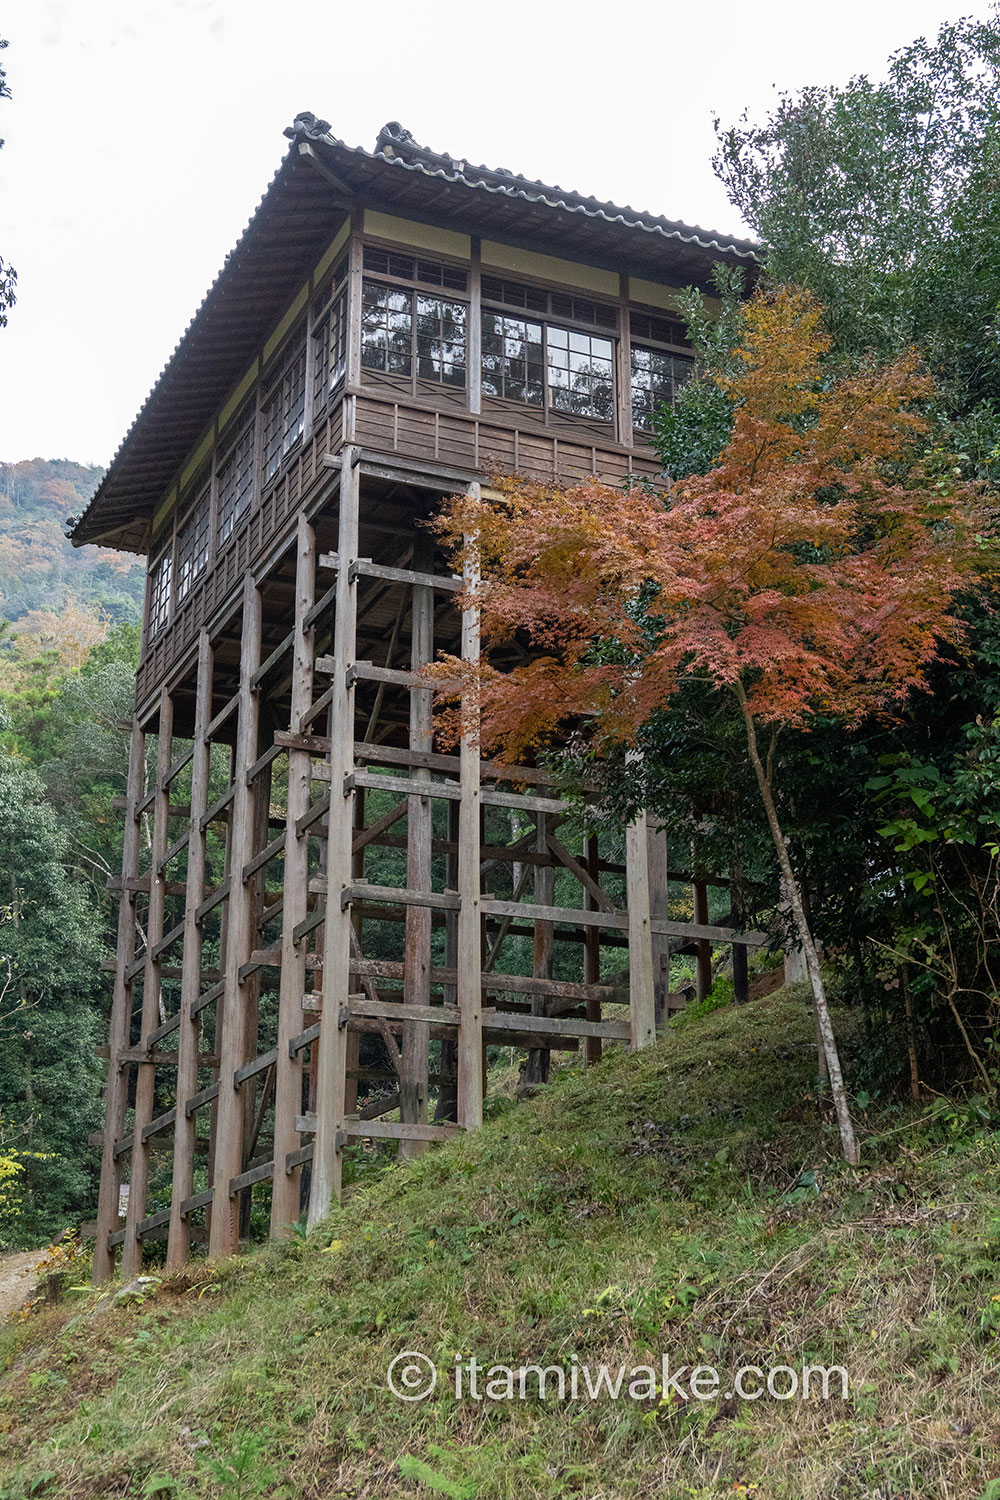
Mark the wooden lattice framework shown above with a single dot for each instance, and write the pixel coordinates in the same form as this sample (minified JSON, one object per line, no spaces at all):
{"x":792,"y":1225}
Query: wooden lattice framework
{"x":257,"y":1098}
{"x":282,"y":753}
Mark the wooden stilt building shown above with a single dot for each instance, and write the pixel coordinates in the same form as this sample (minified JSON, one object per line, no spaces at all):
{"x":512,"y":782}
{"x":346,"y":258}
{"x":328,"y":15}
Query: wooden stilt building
{"x":306,"y":881}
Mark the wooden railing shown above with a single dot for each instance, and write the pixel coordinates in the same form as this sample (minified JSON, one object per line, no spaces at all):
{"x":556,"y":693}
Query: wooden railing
{"x":390,"y":423}
{"x":386,"y":424}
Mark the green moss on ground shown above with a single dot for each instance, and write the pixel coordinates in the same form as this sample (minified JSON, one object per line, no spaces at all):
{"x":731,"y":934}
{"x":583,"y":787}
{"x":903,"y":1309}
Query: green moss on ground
{"x":687,"y":1200}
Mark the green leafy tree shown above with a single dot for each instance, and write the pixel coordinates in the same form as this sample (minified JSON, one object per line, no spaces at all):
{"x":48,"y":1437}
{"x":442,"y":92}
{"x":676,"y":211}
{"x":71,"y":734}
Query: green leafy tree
{"x":883,"y":199}
{"x":50,"y":965}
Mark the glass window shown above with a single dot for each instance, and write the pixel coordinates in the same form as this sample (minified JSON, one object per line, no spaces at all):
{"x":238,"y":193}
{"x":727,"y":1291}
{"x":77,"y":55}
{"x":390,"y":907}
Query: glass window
{"x":440,"y":340}
{"x":581,"y":373}
{"x":399,"y":326}
{"x":192,"y":545}
{"x":284,"y":408}
{"x":236,"y":481}
{"x":513,"y":361}
{"x":329,"y":353}
{"x":656,"y":378}
{"x":386,"y":329}
{"x":159,"y":593}
{"x":411,"y":268}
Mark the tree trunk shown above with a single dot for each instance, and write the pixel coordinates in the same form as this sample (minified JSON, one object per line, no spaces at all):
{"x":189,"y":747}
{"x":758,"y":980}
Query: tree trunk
{"x":848,"y":1140}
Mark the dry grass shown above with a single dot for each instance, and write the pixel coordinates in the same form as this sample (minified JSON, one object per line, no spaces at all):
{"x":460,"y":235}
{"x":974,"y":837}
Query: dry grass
{"x":664,"y":1202}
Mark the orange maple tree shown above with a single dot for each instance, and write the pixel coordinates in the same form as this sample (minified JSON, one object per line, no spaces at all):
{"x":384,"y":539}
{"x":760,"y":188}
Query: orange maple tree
{"x":811,"y":571}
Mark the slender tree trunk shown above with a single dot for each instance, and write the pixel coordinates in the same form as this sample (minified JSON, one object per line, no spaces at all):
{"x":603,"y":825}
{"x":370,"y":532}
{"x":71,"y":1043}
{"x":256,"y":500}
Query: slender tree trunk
{"x":911,"y":1037}
{"x":848,"y":1140}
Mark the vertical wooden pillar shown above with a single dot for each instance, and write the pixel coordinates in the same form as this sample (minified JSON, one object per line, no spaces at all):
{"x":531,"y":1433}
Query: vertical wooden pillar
{"x":145,"y":1089}
{"x":232,"y":1042}
{"x":185,"y":1126}
{"x":656,"y":846}
{"x":738,"y":916}
{"x":353,"y":1055}
{"x":623,"y":372}
{"x":703,"y":961}
{"x":285,"y":1191}
{"x":642,"y":1005}
{"x":536,"y":1067}
{"x":447,"y":1100}
{"x":413,"y":1083}
{"x":470,"y":937}
{"x":592,"y":952}
{"x":121,"y":1016}
{"x":332,"y":1064}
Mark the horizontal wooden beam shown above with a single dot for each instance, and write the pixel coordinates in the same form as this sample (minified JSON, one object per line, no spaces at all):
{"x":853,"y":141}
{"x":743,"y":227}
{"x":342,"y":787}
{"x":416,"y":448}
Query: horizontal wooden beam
{"x":259,"y":1064}
{"x":247,"y":1179}
{"x":500,"y":1020}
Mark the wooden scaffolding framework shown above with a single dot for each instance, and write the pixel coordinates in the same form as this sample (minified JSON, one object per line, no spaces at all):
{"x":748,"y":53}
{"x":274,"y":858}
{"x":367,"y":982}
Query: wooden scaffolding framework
{"x":254,"y":954}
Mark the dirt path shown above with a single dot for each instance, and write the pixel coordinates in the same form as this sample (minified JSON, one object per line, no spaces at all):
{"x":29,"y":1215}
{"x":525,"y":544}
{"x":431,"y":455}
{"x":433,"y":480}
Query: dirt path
{"x":17,"y":1281}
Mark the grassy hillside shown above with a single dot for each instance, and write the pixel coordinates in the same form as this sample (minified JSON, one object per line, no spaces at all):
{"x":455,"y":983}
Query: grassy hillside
{"x":685,"y":1200}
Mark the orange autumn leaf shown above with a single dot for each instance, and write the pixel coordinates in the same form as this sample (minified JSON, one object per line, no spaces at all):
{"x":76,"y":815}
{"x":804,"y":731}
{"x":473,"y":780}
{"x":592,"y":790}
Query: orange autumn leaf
{"x":812,"y":568}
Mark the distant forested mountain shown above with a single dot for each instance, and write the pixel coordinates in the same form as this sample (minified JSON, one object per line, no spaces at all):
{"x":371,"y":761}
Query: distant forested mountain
{"x":40,"y":570}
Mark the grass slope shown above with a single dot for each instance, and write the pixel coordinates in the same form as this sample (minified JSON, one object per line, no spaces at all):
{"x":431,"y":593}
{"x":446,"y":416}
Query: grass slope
{"x":660,"y":1202}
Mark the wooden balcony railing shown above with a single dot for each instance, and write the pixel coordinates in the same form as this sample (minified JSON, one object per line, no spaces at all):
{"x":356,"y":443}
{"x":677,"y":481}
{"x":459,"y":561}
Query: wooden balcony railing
{"x":387,"y":424}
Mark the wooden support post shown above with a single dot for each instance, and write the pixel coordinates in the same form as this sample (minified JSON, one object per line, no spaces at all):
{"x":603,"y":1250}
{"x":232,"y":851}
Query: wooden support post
{"x":703,"y":950}
{"x":332,"y":1067}
{"x":656,"y":847}
{"x":413,"y":1084}
{"x":592,"y":953}
{"x":447,"y":1100}
{"x":146,"y":1082}
{"x":357,"y":949}
{"x":288,"y":1103}
{"x":232,"y":1043}
{"x":121,"y":1016}
{"x":536,"y":1067}
{"x":642,"y":1005}
{"x":741,"y":965}
{"x":470,"y":938}
{"x":189,"y":1030}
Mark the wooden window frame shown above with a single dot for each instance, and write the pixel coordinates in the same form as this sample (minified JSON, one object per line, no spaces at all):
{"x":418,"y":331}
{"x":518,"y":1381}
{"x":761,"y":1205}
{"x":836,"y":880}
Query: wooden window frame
{"x":414,"y":382}
{"x":243,"y":425}
{"x":197,"y":514}
{"x":652,"y":344}
{"x":547,"y":411}
{"x":271,"y":388}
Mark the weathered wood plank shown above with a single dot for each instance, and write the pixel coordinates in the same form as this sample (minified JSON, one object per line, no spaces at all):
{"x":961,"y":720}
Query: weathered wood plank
{"x":470,"y":936}
{"x":331,"y":1079}
{"x":233,"y":1046}
{"x":146,"y":1081}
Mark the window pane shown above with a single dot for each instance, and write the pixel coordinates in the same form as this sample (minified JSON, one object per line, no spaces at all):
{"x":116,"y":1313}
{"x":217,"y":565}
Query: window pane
{"x":159,"y":593}
{"x":284,"y":409}
{"x":235,"y":478}
{"x":512,"y":347}
{"x":580,"y":373}
{"x":656,"y":378}
{"x":386,"y":328}
{"x":192,"y":545}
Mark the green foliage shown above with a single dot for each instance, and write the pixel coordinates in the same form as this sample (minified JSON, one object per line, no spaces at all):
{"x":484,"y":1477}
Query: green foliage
{"x":690,"y":434}
{"x":422,"y":1473}
{"x":234,"y":1465}
{"x":686,"y":1199}
{"x":718,"y":997}
{"x":40,"y":569}
{"x":883,"y":199}
{"x":49,"y":973}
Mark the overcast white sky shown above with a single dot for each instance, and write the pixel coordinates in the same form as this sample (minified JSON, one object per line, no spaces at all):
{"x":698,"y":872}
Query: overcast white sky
{"x":142,"y":133}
